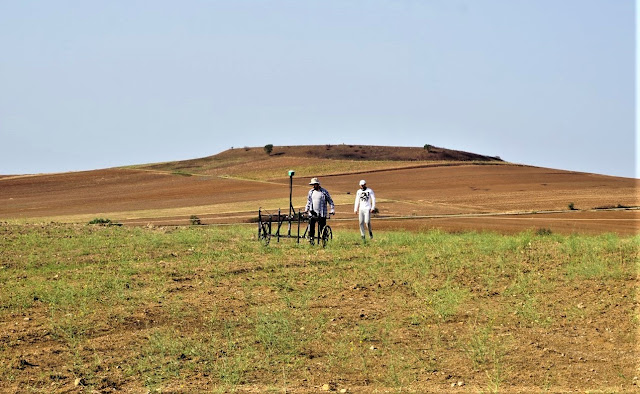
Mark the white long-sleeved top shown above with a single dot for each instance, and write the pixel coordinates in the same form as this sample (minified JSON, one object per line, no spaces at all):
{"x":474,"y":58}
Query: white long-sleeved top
{"x":365,"y":200}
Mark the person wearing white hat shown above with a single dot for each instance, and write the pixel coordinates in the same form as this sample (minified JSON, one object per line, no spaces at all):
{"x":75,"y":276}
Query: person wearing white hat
{"x":364,"y":206}
{"x":317,"y":201}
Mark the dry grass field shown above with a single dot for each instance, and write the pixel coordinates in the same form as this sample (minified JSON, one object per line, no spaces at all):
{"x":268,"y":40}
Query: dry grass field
{"x":484,"y":276}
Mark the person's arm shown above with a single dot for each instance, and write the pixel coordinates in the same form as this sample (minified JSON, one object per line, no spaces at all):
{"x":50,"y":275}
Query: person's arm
{"x":373,"y":200}
{"x":309,"y":203}
{"x":356,"y":204}
{"x":330,"y":201}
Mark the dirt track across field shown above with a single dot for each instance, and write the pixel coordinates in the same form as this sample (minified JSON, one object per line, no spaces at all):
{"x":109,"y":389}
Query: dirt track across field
{"x":453,"y":198}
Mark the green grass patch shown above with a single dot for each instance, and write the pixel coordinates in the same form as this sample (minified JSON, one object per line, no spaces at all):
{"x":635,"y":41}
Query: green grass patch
{"x":210,"y":308}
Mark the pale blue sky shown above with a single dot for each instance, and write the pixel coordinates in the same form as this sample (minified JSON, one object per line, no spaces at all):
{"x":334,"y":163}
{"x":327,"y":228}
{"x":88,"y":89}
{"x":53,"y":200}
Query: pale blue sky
{"x":96,"y":84}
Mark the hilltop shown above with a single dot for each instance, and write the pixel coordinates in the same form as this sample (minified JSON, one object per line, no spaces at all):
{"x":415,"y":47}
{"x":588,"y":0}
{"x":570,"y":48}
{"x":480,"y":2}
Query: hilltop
{"x":362,"y":152}
{"x":394,"y":155}
{"x":316,"y":160}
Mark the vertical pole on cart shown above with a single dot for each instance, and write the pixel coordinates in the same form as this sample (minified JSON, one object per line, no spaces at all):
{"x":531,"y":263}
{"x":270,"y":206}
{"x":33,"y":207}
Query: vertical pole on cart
{"x":279,"y":224}
{"x":291,"y":174}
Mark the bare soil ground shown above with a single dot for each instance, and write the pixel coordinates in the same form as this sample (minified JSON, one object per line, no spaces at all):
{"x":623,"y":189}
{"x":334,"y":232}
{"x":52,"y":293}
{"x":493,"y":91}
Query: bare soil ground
{"x":432,"y":194}
{"x":416,"y":190}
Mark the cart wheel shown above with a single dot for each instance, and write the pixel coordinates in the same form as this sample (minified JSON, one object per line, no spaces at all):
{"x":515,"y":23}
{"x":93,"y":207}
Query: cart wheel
{"x":263,"y":234}
{"x":327,"y":235}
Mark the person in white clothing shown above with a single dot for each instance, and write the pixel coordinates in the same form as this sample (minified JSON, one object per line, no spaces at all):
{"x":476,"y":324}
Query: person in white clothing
{"x":364,"y":206}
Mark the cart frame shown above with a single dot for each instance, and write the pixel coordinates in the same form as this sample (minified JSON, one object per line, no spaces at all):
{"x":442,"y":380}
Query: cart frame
{"x":268,"y":222}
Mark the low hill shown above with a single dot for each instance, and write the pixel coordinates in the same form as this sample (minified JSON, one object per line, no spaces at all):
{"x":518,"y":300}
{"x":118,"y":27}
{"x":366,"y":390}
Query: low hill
{"x":415,"y":189}
{"x":348,"y":152}
{"x":255,"y":163}
{"x":362,"y":152}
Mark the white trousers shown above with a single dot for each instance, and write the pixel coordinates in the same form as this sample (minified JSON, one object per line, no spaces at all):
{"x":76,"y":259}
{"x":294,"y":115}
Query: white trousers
{"x":365,"y":218}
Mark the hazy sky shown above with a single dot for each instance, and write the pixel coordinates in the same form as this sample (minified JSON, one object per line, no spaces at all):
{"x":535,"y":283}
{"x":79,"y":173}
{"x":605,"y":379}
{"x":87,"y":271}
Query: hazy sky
{"x":96,"y":84}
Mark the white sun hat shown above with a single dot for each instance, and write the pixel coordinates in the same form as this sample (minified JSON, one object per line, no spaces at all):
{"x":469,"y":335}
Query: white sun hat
{"x":363,"y":182}
{"x":314,"y":181}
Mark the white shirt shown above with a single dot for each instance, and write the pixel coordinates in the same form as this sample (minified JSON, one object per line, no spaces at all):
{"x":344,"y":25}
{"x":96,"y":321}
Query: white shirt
{"x":365,"y":200}
{"x":316,"y":198}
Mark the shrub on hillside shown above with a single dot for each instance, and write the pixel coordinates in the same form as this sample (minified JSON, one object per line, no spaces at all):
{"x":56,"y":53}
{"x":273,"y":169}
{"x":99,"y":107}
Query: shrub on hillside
{"x":104,"y":222}
{"x":544,"y":231}
{"x":100,"y":221}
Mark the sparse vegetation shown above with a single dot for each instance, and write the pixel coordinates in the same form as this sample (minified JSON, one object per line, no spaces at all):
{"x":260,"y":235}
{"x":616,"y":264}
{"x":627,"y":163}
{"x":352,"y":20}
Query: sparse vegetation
{"x":571,"y":207}
{"x":195,"y":221}
{"x":181,"y":173}
{"x":268,"y":149}
{"x":104,"y":222}
{"x":618,"y":206}
{"x":428,"y":147}
{"x":544,"y":231}
{"x":211,"y":309}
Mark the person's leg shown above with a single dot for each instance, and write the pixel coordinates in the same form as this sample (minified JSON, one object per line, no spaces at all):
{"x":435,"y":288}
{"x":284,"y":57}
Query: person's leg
{"x":367,"y":219}
{"x":361,"y":220}
{"x":321,"y":223}
{"x":312,"y":228}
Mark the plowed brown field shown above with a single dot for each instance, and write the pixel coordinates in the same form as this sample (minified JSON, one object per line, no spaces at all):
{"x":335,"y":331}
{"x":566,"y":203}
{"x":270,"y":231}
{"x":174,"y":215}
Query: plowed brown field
{"x":458,"y":196}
